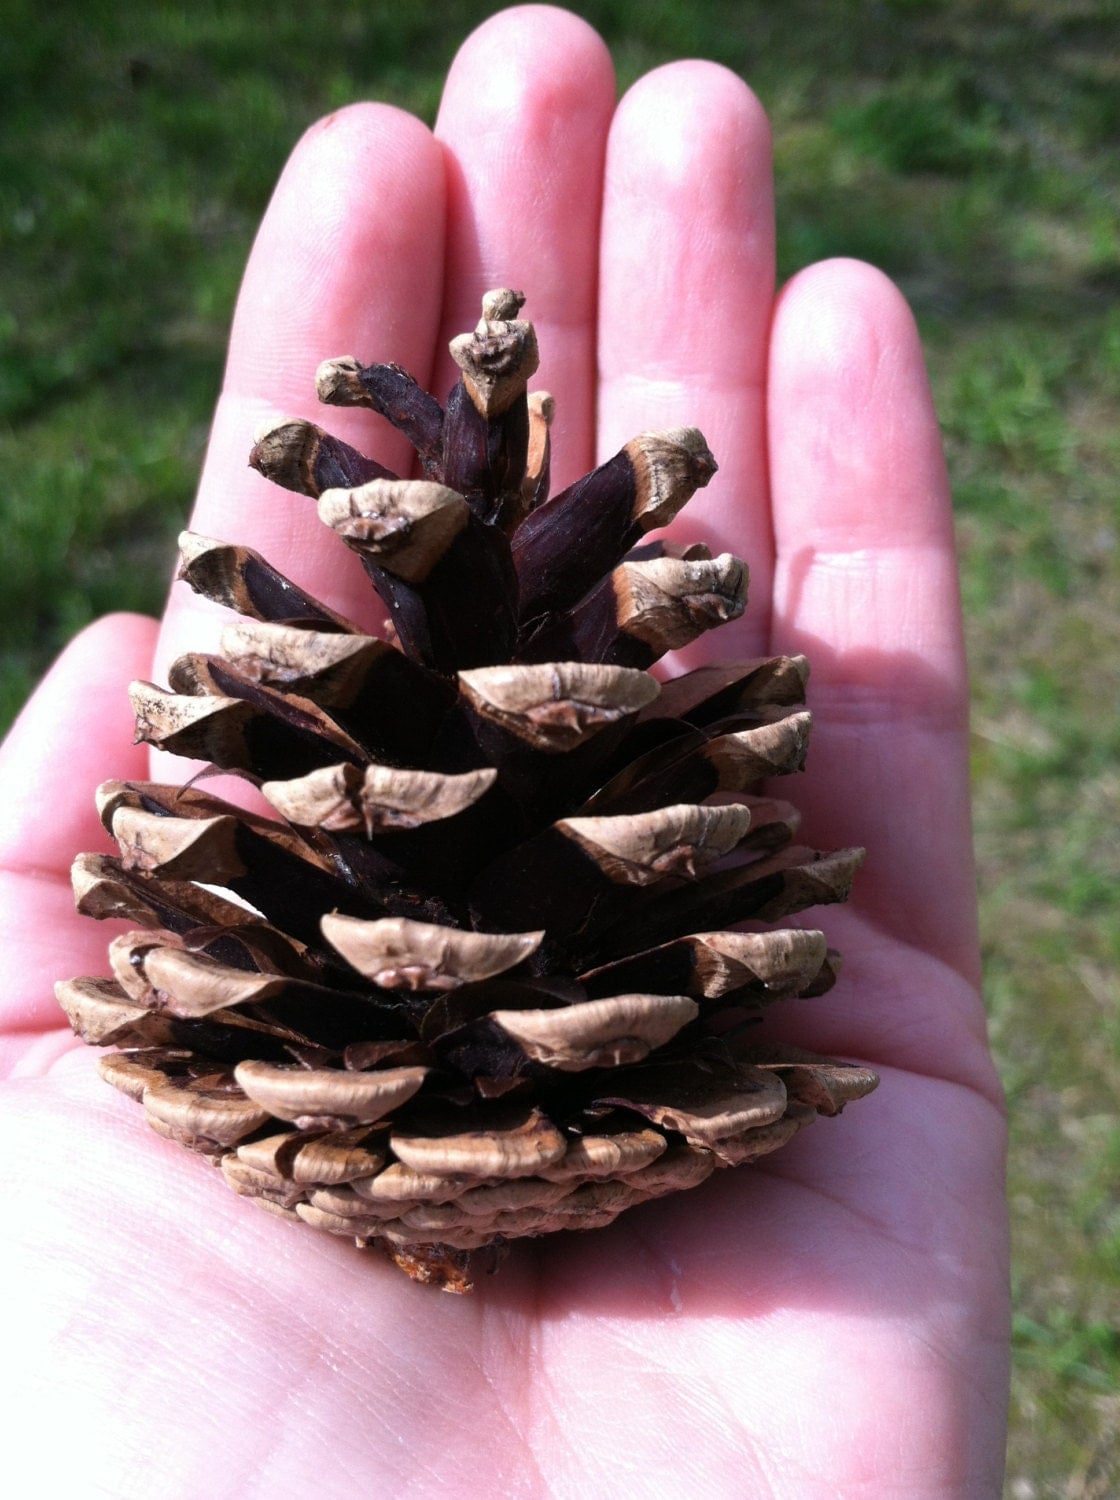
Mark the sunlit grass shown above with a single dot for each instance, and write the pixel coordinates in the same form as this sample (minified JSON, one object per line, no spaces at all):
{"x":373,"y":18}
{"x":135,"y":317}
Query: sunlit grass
{"x":967,"y":149}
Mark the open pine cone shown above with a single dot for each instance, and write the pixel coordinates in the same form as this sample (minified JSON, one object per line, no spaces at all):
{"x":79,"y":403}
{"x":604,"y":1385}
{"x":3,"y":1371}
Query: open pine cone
{"x":473,"y":982}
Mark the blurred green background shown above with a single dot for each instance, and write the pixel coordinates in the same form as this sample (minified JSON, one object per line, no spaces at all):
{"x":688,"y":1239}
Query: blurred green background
{"x":967,"y":148}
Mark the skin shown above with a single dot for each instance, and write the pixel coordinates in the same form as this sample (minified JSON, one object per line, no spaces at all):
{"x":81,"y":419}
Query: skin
{"x":830,"y":1322}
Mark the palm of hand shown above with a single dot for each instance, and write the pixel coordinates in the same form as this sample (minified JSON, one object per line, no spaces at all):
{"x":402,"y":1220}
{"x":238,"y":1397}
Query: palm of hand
{"x":831,"y":1321}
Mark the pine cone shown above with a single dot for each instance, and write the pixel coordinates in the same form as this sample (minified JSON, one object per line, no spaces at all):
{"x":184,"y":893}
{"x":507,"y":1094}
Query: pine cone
{"x":473,"y":982}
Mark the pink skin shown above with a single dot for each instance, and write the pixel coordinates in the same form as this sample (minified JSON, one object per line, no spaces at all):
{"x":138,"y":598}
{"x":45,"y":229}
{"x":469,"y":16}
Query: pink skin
{"x":832,"y":1322}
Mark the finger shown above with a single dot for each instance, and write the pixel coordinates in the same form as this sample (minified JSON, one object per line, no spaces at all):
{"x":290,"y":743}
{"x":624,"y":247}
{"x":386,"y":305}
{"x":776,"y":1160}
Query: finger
{"x":866,"y":586}
{"x":685,"y":299}
{"x":524,"y":120}
{"x":75,"y":732}
{"x":348,"y":260}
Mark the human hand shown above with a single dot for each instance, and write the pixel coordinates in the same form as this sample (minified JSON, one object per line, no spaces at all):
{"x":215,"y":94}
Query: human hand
{"x":831,"y":1320}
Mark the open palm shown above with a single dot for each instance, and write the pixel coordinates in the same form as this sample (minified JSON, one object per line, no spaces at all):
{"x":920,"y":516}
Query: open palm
{"x":831,"y":1321}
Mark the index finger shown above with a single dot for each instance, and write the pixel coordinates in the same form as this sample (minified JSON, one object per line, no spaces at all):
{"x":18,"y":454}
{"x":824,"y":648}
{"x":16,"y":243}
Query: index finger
{"x":348,"y":260}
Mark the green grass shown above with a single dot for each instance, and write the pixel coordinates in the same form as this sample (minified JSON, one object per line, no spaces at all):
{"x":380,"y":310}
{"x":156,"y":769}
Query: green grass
{"x":967,"y":148}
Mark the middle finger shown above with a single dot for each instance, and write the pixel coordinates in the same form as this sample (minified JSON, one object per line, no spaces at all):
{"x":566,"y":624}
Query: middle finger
{"x":524,"y":121}
{"x":686,"y":289}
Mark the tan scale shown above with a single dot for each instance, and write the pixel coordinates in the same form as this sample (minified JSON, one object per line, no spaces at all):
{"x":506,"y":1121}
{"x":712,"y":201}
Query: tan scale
{"x":374,"y":799}
{"x":669,"y":601}
{"x":557,"y":706}
{"x":293,"y":1093}
{"x":641,"y":848}
{"x":396,"y":953}
{"x":598,"y":1033}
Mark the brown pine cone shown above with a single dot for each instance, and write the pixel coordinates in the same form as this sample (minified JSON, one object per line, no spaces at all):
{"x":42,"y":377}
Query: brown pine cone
{"x":473,"y":982}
